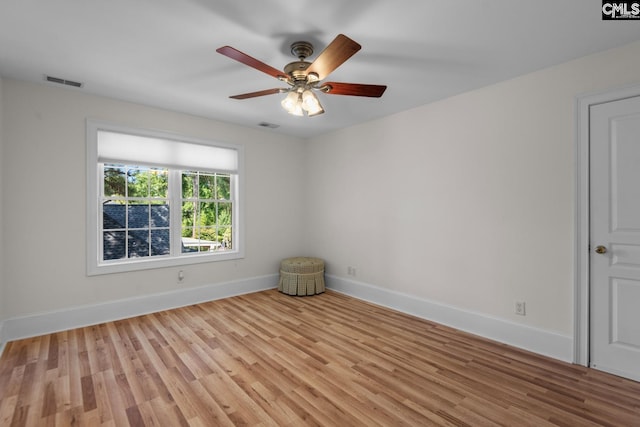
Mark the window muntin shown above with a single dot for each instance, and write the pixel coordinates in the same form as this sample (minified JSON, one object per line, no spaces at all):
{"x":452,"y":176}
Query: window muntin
{"x":144,"y":215}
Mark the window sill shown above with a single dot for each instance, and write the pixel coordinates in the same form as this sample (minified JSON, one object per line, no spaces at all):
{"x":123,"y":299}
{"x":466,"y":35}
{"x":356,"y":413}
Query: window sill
{"x":148,"y":264}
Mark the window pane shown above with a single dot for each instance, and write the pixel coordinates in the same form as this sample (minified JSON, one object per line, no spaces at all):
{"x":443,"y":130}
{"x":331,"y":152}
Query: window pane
{"x":114,"y":181}
{"x":138,"y":243}
{"x":189,"y":184}
{"x":207,"y":235}
{"x":206,"y":186}
{"x":200,"y":239}
{"x":207,"y":214}
{"x":113,"y":216}
{"x":138,"y":182}
{"x":160,"y":215}
{"x":224,"y":213}
{"x":113,"y":245}
{"x":138,"y":215}
{"x":223,"y":187}
{"x":160,"y":242}
{"x":189,"y":243}
{"x":207,"y":242}
{"x":188,"y":214}
{"x":225,"y":237}
{"x":159,"y":185}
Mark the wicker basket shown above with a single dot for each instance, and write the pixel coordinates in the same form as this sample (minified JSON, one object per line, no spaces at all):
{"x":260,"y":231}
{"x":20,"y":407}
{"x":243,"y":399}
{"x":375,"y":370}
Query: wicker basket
{"x":301,"y":276}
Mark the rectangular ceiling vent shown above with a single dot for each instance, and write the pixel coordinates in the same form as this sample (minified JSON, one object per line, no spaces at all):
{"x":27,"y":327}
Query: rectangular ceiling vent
{"x":268,"y":125}
{"x":60,"y":81}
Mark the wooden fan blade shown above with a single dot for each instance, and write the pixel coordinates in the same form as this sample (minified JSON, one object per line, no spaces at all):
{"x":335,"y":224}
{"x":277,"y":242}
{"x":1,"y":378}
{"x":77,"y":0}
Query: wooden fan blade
{"x":354,"y":89}
{"x":334,"y":55}
{"x":259,"y":93}
{"x":250,"y":61}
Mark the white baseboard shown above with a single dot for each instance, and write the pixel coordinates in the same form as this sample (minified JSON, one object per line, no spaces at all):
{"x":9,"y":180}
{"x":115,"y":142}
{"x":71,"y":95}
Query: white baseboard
{"x":76,"y":317}
{"x":2,"y":337}
{"x":532,"y":339}
{"x":536,"y":340}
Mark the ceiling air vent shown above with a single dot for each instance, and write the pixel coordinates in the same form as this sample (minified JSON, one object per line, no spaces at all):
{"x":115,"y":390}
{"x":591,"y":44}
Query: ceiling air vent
{"x":60,"y":81}
{"x":268,"y":125}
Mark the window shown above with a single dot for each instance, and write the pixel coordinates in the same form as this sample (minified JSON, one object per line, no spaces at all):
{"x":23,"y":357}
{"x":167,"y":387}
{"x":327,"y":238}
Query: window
{"x":135,"y":212}
{"x":156,"y":199}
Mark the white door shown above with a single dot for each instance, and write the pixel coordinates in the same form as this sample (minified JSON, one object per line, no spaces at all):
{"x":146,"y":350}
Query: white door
{"x":615,"y":237}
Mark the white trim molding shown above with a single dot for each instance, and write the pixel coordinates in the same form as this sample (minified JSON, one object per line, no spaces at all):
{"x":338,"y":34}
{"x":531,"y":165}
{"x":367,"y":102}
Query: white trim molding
{"x":536,"y":340}
{"x":582,"y":237}
{"x":3,"y":339}
{"x":532,"y":339}
{"x":76,"y":317}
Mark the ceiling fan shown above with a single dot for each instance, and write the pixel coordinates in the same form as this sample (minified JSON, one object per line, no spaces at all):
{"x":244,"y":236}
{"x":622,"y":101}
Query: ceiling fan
{"x":304,"y":78}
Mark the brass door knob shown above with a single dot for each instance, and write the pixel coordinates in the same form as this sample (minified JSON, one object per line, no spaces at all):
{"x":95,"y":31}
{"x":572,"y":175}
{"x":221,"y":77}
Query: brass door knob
{"x":601,"y":249}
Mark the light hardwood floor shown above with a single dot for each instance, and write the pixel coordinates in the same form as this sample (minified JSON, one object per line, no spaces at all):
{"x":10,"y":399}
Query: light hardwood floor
{"x":272,"y":359}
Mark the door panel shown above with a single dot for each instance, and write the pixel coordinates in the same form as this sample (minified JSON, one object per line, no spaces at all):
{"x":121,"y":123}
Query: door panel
{"x":625,"y":316}
{"x":625,"y":191}
{"x":615,"y":225}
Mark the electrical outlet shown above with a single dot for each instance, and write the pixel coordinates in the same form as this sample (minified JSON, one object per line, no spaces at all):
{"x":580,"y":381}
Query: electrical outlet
{"x":351,"y":271}
{"x":521,"y":308}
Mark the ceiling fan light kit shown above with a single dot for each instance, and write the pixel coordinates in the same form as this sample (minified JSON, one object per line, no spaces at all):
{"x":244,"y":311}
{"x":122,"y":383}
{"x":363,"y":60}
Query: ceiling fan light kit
{"x":302,"y":100}
{"x":304,"y":78}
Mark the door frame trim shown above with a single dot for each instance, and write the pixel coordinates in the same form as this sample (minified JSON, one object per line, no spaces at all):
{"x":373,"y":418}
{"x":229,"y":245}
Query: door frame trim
{"x":582,"y":233}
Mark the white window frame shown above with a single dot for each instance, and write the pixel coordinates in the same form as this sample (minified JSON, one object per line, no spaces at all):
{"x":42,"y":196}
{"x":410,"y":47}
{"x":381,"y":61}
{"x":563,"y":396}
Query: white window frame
{"x":95,"y":265}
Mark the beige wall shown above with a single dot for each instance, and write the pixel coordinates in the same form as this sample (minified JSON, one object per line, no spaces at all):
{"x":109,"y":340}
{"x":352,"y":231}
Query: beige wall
{"x":468,"y":202}
{"x":44,"y":205}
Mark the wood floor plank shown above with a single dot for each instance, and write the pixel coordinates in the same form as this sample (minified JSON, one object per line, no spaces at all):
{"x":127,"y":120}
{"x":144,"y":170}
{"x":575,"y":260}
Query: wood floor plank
{"x":269,"y":359}
{"x":117,"y":399}
{"x":7,"y":408}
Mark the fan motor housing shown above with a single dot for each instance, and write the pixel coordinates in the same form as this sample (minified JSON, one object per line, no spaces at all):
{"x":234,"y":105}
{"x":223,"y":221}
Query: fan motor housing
{"x":297,"y":70}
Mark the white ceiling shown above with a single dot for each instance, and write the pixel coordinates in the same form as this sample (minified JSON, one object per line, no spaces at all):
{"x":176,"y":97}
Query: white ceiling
{"x":162,"y":52}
